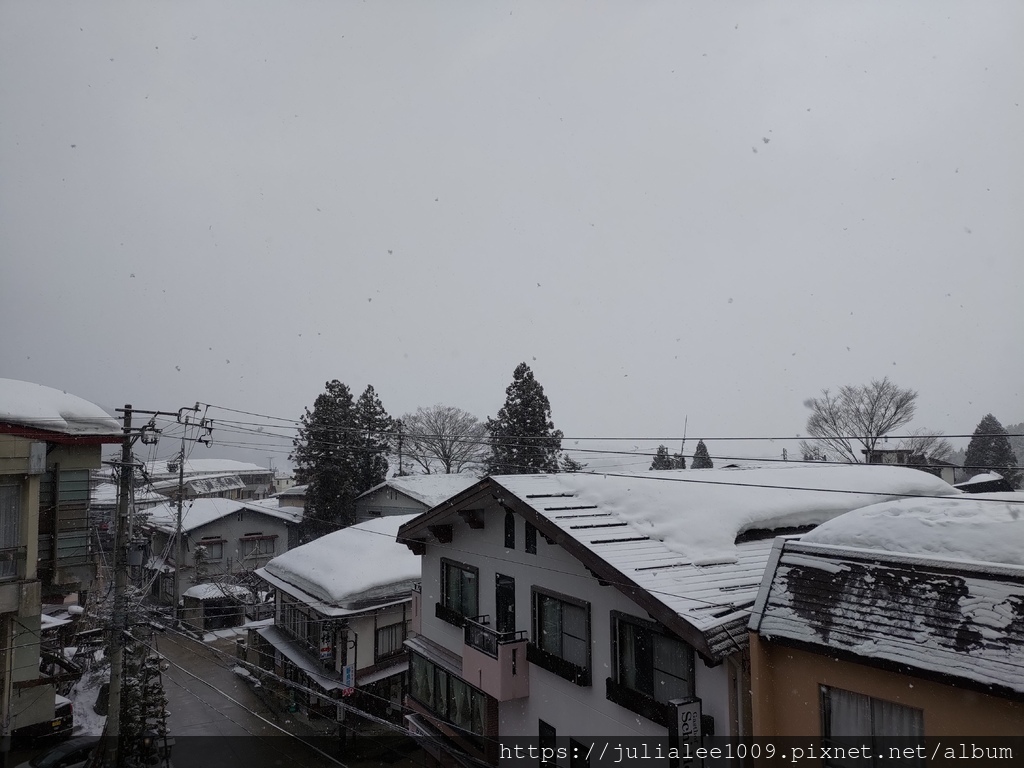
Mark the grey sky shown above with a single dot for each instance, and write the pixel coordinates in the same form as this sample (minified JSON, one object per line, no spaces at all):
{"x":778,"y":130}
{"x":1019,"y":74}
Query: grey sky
{"x":666,"y":209}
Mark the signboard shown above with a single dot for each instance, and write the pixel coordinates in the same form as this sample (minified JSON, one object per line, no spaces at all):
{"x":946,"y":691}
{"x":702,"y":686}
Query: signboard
{"x":326,"y":652}
{"x":688,"y":712}
{"x":348,"y":678}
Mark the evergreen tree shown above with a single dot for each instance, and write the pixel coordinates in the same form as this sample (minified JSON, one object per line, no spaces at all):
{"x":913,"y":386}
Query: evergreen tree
{"x":373,"y":441}
{"x":324,"y":458}
{"x":990,"y":451}
{"x":701,"y":458}
{"x":523,"y":439}
{"x":662,"y":460}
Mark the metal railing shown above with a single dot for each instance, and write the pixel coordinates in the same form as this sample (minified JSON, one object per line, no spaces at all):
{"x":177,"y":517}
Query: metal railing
{"x":487,"y":640}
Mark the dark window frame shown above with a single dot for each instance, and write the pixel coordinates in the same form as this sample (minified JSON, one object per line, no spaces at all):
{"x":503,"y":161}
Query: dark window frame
{"x":446,"y":610}
{"x":510,"y":529}
{"x":556,"y":661}
{"x":530,"y":538}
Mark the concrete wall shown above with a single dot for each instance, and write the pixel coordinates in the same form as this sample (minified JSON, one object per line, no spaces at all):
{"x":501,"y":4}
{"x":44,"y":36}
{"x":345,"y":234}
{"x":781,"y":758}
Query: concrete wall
{"x":787,"y":700}
{"x":572,"y":709}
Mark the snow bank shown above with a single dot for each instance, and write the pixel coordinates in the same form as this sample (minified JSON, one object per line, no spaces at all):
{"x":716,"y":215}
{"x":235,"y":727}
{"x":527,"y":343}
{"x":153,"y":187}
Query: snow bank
{"x":34,"y":405}
{"x":984,"y":527}
{"x":349,"y":562}
{"x":699,"y":513}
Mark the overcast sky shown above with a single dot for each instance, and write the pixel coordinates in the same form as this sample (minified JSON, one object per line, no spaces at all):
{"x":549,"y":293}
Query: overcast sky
{"x":669,"y":210}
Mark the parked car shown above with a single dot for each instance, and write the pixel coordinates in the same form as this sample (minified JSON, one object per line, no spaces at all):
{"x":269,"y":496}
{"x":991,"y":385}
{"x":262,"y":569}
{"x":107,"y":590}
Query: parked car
{"x":65,"y":754}
{"x":48,"y":731}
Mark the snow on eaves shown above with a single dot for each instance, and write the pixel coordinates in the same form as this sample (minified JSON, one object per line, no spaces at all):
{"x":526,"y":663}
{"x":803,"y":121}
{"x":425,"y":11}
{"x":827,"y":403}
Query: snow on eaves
{"x":199,"y":512}
{"x":978,"y":528}
{"x":344,"y":565}
{"x":33,"y":405}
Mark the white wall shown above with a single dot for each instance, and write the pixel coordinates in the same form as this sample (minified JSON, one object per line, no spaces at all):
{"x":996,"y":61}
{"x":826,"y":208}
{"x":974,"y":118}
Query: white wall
{"x":571,"y":709}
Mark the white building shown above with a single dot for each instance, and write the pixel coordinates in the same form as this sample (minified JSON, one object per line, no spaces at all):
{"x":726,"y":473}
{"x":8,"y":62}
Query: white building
{"x":342,"y":601}
{"x":579,"y":604}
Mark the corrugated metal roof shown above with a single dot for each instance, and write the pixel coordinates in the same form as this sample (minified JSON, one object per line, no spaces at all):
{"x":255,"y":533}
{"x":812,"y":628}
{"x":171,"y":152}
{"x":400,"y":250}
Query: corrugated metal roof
{"x":924,"y":613}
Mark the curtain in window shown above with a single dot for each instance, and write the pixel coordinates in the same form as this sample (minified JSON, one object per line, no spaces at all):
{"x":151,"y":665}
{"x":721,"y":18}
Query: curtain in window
{"x":575,"y":637}
{"x":671,"y":669}
{"x":896,"y":720}
{"x":847,"y":714}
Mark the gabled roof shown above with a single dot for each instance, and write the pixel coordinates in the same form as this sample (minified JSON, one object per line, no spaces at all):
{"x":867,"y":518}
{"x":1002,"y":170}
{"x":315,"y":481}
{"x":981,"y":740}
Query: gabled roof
{"x":348,"y":569}
{"x":668,"y":540}
{"x":31,"y":407}
{"x":928,"y":587}
{"x":199,"y":512}
{"x":426,"y":489}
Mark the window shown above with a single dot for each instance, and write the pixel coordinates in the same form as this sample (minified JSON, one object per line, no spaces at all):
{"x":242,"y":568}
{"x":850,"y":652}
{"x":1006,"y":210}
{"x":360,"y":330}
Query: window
{"x":510,"y":529}
{"x":10,"y":529}
{"x":448,"y":696}
{"x":263,"y":546}
{"x":459,"y":591}
{"x":531,"y":539}
{"x":849,"y":718}
{"x":389,"y":641}
{"x":651,"y":662}
{"x":561,"y":636}
{"x":214,"y":546}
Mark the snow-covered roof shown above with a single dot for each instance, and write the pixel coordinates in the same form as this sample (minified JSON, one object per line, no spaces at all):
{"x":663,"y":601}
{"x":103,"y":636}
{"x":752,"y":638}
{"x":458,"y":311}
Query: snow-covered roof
{"x":295,"y":490}
{"x":430,"y":490}
{"x":698,"y":514}
{"x":983,"y":527}
{"x":33,"y":405}
{"x":272,"y":506}
{"x":164,"y":469}
{"x":984,"y":477}
{"x":211,"y":591}
{"x":202,"y":484}
{"x":352,"y":565}
{"x":674,"y":533}
{"x":199,"y":512}
{"x":961,"y":620}
{"x":105,"y":495}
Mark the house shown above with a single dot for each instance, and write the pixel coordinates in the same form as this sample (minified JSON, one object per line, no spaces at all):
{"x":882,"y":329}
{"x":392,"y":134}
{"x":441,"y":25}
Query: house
{"x":582,"y":604}
{"x":900,"y":619}
{"x":342,"y":611}
{"x":406,"y":494}
{"x":49,"y":440}
{"x":210,"y":478}
{"x":223,"y":540}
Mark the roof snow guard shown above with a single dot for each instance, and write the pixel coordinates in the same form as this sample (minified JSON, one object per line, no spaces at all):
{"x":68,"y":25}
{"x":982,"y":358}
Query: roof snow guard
{"x":668,"y":540}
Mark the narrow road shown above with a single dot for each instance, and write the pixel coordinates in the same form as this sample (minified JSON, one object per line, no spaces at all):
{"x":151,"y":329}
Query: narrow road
{"x":216,"y":718}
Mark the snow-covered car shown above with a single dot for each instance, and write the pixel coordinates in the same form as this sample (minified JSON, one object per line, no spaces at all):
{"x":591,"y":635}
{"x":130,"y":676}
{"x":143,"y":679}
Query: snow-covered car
{"x":56,"y":728}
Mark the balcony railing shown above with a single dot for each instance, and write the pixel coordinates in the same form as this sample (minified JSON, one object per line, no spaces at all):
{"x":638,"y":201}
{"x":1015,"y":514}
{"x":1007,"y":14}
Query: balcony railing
{"x":495,"y":662}
{"x":487,"y":640}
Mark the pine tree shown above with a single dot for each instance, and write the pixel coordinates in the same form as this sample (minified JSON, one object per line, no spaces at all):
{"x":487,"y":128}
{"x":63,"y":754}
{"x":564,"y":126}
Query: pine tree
{"x":324,"y":458}
{"x":523,"y":439}
{"x":990,"y":451}
{"x":662,"y":460}
{"x":373,"y":442}
{"x":701,"y":458}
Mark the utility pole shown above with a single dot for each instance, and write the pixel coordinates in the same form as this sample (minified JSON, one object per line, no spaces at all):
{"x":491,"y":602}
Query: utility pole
{"x":178,"y":549}
{"x":112,"y":749}
{"x":113,"y":730}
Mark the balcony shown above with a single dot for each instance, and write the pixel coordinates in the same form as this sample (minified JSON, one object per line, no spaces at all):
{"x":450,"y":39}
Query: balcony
{"x":495,"y":662}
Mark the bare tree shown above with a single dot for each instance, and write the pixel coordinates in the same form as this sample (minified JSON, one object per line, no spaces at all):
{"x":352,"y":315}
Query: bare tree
{"x":855,"y":418}
{"x":927,"y":443}
{"x":443,"y":439}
